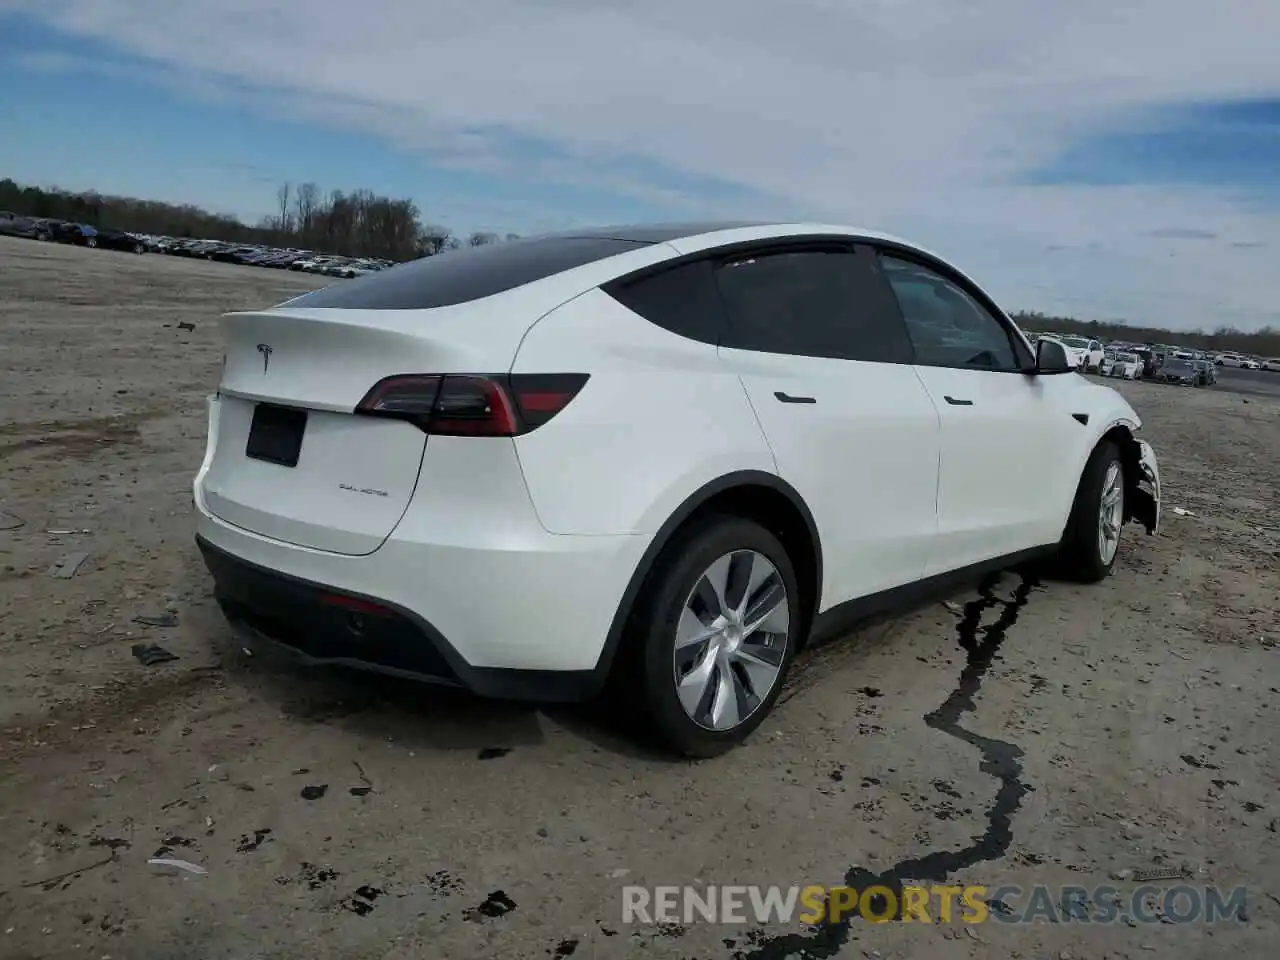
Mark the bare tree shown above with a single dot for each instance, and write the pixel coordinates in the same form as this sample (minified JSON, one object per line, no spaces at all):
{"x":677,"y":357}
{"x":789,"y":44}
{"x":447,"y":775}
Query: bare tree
{"x":482,"y":238}
{"x":305,"y":202}
{"x":282,"y":204}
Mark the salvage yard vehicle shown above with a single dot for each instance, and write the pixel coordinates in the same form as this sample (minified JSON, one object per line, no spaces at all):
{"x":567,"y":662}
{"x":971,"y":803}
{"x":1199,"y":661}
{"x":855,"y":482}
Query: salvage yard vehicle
{"x":1085,"y":353}
{"x":1179,"y":371}
{"x":1126,"y":366}
{"x":1206,"y":373}
{"x":636,"y":459}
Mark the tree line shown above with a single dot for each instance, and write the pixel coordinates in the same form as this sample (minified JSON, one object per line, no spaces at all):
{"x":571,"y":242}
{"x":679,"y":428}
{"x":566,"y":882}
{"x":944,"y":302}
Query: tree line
{"x":362,"y":223}
{"x":357,"y":223}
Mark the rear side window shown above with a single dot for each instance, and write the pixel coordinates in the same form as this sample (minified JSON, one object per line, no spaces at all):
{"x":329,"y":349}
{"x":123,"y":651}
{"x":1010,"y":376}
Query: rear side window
{"x":460,"y":276}
{"x":813,"y":303}
{"x":682,"y":299}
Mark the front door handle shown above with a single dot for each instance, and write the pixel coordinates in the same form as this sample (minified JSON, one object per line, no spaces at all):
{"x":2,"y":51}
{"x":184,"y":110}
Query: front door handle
{"x":787,"y":398}
{"x":955,"y":402}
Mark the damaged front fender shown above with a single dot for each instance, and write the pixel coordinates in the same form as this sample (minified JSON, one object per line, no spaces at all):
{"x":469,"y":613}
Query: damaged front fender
{"x":1144,"y":494}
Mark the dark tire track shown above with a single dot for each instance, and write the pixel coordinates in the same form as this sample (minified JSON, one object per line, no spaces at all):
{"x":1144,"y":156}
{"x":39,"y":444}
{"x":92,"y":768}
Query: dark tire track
{"x":1000,"y":760}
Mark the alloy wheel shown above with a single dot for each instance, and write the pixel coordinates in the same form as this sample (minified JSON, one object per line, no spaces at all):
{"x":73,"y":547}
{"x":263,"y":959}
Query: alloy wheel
{"x":1110,"y":513}
{"x":731,"y":640}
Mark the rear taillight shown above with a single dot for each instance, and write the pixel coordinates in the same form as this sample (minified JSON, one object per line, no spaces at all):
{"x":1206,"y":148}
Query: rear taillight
{"x":499,"y":405}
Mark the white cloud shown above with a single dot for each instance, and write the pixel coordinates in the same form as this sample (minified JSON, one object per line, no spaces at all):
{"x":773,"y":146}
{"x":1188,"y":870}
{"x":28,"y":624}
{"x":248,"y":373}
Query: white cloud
{"x":912,"y":115}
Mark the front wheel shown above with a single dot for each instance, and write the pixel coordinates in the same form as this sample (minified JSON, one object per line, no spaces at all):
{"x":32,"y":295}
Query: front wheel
{"x":717,"y":627}
{"x":1091,"y":539}
{"x":91,"y":242}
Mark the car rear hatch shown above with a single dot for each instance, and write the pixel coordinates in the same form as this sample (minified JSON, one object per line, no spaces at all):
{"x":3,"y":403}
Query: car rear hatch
{"x":289,"y":458}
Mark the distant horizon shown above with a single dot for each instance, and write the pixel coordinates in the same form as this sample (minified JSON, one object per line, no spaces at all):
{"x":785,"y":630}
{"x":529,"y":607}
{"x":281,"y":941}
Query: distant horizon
{"x":1088,"y":325}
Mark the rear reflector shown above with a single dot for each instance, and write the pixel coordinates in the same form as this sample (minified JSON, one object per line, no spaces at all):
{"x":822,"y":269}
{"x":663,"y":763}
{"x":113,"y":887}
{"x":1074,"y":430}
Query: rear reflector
{"x":467,"y":405}
{"x":355,"y":604}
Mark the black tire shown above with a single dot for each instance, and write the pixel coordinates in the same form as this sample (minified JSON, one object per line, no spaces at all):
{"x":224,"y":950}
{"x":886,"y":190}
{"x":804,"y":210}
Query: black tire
{"x":650,"y":644}
{"x":1079,"y":554}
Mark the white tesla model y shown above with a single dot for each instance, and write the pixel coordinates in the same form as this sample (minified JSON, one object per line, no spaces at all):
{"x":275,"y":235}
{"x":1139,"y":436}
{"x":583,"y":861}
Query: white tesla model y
{"x":663,"y":456}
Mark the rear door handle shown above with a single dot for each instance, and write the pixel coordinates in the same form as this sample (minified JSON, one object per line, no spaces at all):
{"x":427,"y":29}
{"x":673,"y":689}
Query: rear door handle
{"x":955,"y":402}
{"x":787,"y":398}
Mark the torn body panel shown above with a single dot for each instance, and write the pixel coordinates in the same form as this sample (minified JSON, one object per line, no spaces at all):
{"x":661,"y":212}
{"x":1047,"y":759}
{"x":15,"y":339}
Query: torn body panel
{"x":1144,"y":489}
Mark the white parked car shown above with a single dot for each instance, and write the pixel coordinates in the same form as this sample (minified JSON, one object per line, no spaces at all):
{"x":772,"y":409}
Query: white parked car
{"x":1270,"y":363}
{"x":1127,"y":366}
{"x":1085,"y":353}
{"x":661,"y":458}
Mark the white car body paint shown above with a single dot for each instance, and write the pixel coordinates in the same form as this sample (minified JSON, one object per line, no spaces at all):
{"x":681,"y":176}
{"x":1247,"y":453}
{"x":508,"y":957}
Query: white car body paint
{"x":519,"y":550}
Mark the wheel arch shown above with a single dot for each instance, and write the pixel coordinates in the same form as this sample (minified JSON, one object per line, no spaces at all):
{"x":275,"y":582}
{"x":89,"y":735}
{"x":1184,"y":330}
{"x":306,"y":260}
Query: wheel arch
{"x":755,"y":494}
{"x":1123,"y":433}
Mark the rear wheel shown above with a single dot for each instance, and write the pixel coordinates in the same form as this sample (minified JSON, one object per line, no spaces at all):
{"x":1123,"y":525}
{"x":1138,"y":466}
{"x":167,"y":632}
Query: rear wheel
{"x":1091,"y":540}
{"x":715,"y":632}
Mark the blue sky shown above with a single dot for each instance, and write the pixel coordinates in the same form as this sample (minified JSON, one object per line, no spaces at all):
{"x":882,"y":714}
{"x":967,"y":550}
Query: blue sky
{"x":150,"y":137}
{"x":1099,"y":160}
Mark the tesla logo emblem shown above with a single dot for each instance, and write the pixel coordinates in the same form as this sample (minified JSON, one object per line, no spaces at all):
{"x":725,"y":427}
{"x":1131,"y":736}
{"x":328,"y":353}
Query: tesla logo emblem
{"x":265,"y":350}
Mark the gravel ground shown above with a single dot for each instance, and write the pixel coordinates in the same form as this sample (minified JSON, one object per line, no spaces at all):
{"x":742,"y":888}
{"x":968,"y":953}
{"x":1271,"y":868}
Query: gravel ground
{"x":1125,"y":726}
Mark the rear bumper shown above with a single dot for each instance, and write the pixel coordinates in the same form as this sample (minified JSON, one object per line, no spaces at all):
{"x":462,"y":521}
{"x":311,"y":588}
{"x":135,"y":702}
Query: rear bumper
{"x":514,"y":614}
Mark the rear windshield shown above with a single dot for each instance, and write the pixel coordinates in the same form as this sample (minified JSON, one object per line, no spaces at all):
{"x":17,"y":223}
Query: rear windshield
{"x":459,"y":276}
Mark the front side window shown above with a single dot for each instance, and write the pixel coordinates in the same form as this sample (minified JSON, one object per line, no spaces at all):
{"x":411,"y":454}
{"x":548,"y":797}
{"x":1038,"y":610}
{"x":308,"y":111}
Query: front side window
{"x":948,"y":327}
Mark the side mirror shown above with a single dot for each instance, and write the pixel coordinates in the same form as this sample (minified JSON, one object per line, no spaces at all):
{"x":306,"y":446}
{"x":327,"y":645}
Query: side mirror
{"x":1051,"y":357}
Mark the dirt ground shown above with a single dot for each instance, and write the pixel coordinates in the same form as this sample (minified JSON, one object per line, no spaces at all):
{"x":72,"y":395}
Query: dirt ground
{"x":1025,"y":732}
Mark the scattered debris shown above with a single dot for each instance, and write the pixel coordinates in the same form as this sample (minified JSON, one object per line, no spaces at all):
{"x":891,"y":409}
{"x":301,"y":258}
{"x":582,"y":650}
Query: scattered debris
{"x":316,"y":877}
{"x":148,"y":654}
{"x":1160,"y":873}
{"x":360,"y":791}
{"x":66,"y":568}
{"x":65,"y":533}
{"x":361,"y":902}
{"x":157,"y":620}
{"x":184,"y":325}
{"x":169,"y":843}
{"x":170,"y":863}
{"x":954,"y":607}
{"x":496,"y":904}
{"x":314,"y":792}
{"x":9,"y":521}
{"x":363,"y":777}
{"x":869,"y":691}
{"x":248,"y":844}
{"x":1199,"y":764}
{"x":492,"y":753}
{"x":1179,"y":511}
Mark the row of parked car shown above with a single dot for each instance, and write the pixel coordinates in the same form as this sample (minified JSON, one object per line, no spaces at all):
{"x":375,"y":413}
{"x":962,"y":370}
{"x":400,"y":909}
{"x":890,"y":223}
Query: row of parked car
{"x":257,"y":255}
{"x":1153,"y":361}
{"x":63,"y":231}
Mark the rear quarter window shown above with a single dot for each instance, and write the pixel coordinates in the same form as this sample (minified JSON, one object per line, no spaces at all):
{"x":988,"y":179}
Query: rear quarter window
{"x":682,"y":299}
{"x":460,"y":276}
